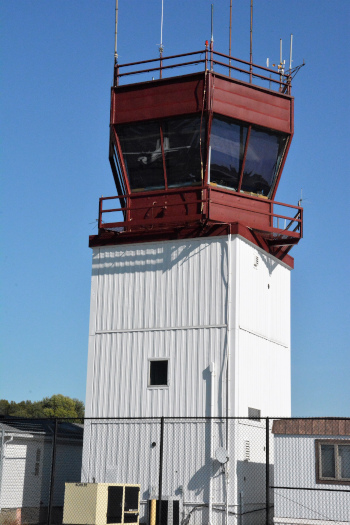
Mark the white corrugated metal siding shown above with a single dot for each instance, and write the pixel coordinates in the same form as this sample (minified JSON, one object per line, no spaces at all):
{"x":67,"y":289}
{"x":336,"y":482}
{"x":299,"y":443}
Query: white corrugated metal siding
{"x":121,"y":365}
{"x":295,"y":459}
{"x":169,"y":300}
{"x":164,"y":284}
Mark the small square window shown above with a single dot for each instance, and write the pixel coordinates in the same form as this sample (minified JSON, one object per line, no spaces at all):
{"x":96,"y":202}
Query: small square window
{"x":158,"y":373}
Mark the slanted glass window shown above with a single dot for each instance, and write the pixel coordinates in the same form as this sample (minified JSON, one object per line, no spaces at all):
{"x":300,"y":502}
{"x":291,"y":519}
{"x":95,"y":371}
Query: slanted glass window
{"x":333,"y":461}
{"x":158,"y":373}
{"x":264,"y":155}
{"x":181,"y":141}
{"x":227,"y":142}
{"x":142,"y":152}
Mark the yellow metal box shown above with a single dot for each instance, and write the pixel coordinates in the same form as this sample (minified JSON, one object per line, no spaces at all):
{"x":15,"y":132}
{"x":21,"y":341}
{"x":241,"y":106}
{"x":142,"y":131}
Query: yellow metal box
{"x":101,"y":504}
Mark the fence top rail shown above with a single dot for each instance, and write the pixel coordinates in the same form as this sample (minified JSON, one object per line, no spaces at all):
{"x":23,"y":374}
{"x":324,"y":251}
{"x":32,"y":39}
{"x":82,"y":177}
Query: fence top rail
{"x":8,"y":419}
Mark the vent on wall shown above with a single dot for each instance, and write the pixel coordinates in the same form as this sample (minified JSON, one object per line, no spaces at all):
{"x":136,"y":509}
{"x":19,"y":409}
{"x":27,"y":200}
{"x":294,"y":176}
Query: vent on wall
{"x":247,"y":450}
{"x":254,"y":413}
{"x":256,"y":261}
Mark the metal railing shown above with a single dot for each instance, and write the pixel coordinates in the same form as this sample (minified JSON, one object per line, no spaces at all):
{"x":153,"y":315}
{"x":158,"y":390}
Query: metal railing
{"x":208,"y":58}
{"x":281,"y":223}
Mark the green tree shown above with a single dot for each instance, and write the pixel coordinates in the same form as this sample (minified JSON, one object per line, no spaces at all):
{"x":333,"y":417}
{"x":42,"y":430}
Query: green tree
{"x":55,"y":406}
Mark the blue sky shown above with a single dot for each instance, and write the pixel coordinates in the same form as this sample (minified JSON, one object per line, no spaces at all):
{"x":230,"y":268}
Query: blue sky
{"x":57,"y":66}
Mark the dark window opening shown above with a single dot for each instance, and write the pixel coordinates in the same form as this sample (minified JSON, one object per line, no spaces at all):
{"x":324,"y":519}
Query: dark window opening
{"x":158,"y":373}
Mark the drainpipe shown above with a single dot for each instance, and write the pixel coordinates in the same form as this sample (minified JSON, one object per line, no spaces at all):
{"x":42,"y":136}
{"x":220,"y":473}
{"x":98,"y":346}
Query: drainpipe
{"x":228,"y":371}
{"x":211,"y":414}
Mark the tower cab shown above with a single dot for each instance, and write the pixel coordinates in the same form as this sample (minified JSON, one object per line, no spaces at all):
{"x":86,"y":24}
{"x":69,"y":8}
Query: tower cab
{"x":200,"y":154}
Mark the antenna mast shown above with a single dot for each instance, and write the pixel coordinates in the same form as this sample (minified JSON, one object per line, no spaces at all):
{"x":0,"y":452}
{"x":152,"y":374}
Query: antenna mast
{"x":161,"y":48}
{"x":229,"y":46}
{"x":290,"y":52}
{"x":251,"y":42}
{"x":116,"y":33}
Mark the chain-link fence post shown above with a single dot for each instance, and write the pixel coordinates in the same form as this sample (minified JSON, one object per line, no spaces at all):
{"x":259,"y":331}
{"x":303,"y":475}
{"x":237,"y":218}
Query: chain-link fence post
{"x":160,"y":470}
{"x":53,"y":471}
{"x":267,"y":471}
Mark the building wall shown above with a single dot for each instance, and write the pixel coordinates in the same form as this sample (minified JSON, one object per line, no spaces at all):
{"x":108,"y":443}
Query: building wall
{"x":22,"y":485}
{"x":170,"y":300}
{"x":26,"y":482}
{"x":195,"y":302}
{"x":295,"y":466}
{"x":262,"y":344}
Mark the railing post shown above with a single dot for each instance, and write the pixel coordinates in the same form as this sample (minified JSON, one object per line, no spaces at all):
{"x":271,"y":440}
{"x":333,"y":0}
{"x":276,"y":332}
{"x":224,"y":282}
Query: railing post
{"x":53,"y":472}
{"x":267,"y":471}
{"x":100,"y":206}
{"x":116,"y":74}
{"x":160,"y":470}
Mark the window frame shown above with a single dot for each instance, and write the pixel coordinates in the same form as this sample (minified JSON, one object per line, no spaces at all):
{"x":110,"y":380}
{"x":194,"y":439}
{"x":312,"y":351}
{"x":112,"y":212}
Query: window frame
{"x":251,"y":129}
{"x":330,"y":481}
{"x":153,"y":359}
{"x":161,"y":123}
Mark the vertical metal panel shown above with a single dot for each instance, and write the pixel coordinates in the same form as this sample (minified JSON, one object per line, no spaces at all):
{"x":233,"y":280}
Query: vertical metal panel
{"x":264,"y":301}
{"x":162,"y":284}
{"x":263,"y":333}
{"x":264,"y":376}
{"x":121,"y":365}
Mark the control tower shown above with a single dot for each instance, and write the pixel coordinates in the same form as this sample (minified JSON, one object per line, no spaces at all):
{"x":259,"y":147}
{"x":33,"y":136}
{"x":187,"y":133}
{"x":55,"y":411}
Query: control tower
{"x":190,"y":291}
{"x":191,"y":263}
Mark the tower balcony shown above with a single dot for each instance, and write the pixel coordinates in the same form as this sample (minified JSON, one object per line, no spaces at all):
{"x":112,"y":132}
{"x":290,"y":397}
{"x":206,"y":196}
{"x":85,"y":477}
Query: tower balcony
{"x":200,"y":153}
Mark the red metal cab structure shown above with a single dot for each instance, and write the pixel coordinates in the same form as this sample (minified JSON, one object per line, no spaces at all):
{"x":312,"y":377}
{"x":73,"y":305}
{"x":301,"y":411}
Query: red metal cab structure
{"x":200,"y":154}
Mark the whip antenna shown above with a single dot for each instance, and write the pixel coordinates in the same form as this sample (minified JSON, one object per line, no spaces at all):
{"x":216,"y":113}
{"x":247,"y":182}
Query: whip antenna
{"x":251,"y":41}
{"x":161,"y":47}
{"x":229,"y":46}
{"x":116,"y":32}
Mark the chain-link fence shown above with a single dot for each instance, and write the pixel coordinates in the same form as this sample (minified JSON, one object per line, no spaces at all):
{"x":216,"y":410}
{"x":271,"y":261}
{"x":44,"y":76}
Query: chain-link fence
{"x":240,"y":471}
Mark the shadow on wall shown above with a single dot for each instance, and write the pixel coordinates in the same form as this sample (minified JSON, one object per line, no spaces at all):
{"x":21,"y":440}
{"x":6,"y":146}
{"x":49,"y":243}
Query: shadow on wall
{"x":251,"y":491}
{"x":163,"y":257}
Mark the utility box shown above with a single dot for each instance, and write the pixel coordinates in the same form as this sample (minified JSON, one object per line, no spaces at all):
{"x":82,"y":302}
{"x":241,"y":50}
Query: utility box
{"x":101,"y":503}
